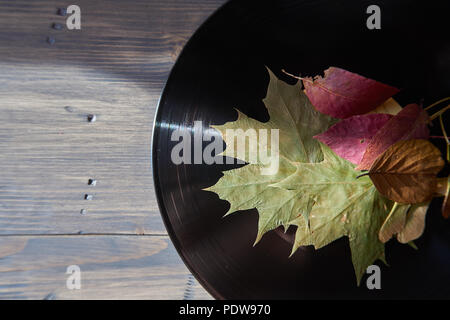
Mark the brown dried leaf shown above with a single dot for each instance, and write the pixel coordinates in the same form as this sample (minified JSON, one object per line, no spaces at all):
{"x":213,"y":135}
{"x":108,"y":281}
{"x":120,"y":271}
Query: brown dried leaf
{"x":406,"y":171}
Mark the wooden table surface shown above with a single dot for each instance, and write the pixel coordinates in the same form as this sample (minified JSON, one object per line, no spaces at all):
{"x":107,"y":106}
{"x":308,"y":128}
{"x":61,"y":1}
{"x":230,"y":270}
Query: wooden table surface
{"x":114,"y":67}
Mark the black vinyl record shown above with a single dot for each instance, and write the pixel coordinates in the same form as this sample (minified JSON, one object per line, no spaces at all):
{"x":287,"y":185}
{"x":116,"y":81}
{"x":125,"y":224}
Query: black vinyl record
{"x":223,"y":67}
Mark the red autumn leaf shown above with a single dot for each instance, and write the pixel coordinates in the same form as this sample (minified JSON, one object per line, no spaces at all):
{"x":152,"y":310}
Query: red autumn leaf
{"x":349,"y":138}
{"x":410,"y":123}
{"x":342,"y":94}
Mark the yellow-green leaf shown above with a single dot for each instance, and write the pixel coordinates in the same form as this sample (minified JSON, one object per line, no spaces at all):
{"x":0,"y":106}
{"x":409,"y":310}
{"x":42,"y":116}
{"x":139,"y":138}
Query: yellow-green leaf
{"x":343,"y":206}
{"x":245,"y":188}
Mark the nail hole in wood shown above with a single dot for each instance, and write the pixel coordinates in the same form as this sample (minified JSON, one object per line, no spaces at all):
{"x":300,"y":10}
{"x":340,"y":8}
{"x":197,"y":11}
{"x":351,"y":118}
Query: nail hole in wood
{"x":92,"y":182}
{"x":92,"y":118}
{"x":57,"y":26}
{"x":69,"y":109}
{"x":62,"y":12}
{"x":83,"y":211}
{"x":88,"y":197}
{"x":51,"y":40}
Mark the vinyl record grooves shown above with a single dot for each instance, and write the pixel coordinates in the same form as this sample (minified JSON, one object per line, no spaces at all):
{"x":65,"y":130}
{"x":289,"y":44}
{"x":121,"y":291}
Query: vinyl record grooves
{"x":223,"y":67}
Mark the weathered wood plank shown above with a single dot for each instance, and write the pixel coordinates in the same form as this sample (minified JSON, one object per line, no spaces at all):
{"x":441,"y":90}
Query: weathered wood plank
{"x":114,"y":67}
{"x":49,"y":154}
{"x":119,"y":267}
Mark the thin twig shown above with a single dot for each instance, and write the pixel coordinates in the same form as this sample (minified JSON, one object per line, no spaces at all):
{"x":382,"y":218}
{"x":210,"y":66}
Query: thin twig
{"x":362,"y":175}
{"x":441,"y":122}
{"x":296,"y":77}
{"x":439,"y":113}
{"x":394,"y":207}
{"x":436,"y":103}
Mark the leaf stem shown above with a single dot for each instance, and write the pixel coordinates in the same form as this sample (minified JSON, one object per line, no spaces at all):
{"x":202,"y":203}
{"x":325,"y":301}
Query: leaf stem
{"x":297,"y":77}
{"x":362,"y":175}
{"x":394,"y":207}
{"x":439,"y":113}
{"x":441,"y":122}
{"x":413,"y":245}
{"x":442,"y":187}
{"x":436,"y":103}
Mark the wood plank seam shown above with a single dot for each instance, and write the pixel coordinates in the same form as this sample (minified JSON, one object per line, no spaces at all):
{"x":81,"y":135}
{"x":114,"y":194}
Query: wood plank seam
{"x":43,"y":235}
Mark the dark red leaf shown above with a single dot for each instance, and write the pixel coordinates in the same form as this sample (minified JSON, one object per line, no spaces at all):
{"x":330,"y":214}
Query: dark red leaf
{"x":349,"y":138}
{"x":342,"y":94}
{"x":410,"y":123}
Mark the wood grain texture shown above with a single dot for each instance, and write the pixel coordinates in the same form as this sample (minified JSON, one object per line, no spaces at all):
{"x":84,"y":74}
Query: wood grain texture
{"x":114,"y":67}
{"x":115,"y":267}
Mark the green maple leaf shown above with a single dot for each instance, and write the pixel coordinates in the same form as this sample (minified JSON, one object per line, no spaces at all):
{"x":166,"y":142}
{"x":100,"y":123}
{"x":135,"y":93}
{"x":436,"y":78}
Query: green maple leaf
{"x":245,"y":188}
{"x":343,"y":206}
